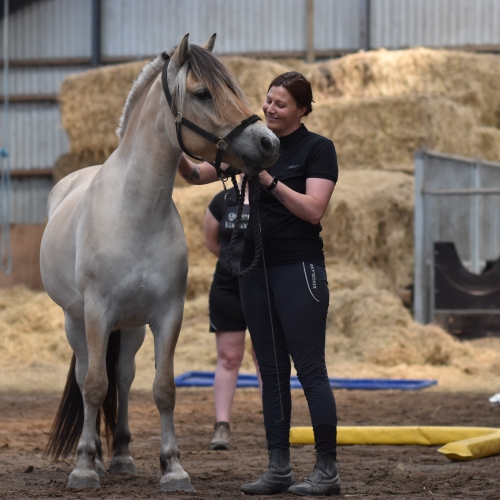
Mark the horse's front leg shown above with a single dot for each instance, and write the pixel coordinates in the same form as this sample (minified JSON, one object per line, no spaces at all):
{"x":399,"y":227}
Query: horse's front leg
{"x":166,"y":331}
{"x":131,"y":340}
{"x":94,"y":392}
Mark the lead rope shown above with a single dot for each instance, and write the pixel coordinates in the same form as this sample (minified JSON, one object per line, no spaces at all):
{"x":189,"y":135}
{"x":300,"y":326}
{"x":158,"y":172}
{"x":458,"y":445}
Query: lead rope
{"x":254,"y":188}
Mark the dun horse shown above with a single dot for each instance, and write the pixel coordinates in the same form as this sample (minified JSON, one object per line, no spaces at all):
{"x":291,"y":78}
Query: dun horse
{"x":114,"y":254}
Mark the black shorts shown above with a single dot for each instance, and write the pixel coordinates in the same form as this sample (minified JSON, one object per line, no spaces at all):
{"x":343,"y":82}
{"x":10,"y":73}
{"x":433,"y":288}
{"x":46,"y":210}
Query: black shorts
{"x":224,"y":304}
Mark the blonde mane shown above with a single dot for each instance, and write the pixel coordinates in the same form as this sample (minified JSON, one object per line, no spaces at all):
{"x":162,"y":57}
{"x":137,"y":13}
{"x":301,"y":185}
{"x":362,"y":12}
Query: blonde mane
{"x":205,"y":66}
{"x":148,"y":73}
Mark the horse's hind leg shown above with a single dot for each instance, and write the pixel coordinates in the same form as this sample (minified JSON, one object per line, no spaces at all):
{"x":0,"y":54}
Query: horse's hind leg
{"x":166,"y":332}
{"x":75,"y":333}
{"x":94,"y":392}
{"x":130,"y":342}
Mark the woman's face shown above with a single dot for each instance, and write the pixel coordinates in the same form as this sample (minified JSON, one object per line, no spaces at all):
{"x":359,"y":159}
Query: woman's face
{"x":281,"y":111}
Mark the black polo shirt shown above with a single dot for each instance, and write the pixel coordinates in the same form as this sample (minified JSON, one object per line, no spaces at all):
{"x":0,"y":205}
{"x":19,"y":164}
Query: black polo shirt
{"x":287,"y":239}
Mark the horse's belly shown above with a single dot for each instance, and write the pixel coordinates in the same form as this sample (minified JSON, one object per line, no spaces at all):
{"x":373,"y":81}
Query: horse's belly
{"x":57,"y":263}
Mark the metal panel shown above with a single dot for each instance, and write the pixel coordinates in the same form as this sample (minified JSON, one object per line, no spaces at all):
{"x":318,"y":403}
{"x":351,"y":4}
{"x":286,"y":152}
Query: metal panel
{"x":469,"y":218}
{"x":28,"y":199}
{"x":336,"y":24}
{"x":50,"y":29}
{"x":37,"y":138}
{"x":146,"y":27}
{"x":38,"y":80}
{"x":132,"y":28}
{"x":434,"y":23}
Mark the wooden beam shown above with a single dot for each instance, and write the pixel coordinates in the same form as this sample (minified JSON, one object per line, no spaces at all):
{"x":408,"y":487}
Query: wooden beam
{"x":32,"y":172}
{"x":31,"y":98}
{"x":310,"y":56}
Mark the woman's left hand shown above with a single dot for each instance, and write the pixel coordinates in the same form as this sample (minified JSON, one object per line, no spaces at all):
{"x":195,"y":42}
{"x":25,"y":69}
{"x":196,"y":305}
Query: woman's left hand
{"x":265,"y":178}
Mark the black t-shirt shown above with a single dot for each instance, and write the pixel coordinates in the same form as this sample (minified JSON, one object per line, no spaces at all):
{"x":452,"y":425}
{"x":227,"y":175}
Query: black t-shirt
{"x":287,"y":239}
{"x":226,"y":217}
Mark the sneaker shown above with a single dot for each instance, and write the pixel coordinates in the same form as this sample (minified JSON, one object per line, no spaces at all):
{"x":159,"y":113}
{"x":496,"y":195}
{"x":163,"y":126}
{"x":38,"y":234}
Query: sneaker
{"x":220,"y":440}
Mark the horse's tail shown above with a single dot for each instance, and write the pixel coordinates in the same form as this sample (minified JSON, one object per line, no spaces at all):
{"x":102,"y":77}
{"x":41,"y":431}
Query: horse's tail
{"x":68,"y":422}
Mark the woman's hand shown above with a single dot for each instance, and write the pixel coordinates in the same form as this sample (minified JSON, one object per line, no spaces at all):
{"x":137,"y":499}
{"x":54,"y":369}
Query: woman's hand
{"x":265,"y":178}
{"x":201,"y":173}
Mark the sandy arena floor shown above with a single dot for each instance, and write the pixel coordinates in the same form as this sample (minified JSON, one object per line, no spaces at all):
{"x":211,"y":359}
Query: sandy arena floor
{"x":399,"y":472}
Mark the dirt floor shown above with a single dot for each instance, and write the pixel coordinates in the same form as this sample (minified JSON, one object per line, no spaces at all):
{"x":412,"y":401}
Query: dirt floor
{"x":400,"y":472}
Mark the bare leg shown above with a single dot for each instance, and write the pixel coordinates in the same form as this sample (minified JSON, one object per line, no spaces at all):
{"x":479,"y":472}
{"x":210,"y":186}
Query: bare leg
{"x":75,"y":333}
{"x":94,"y":392}
{"x":230,"y":351}
{"x":131,"y":340}
{"x":166,"y":331}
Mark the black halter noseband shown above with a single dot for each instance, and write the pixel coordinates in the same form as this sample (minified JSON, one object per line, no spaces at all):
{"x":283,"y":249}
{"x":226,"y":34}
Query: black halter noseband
{"x":221,"y":142}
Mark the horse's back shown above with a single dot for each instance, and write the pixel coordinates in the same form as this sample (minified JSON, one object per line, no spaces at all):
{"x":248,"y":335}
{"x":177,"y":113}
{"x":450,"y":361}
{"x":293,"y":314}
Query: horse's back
{"x":76,"y":181}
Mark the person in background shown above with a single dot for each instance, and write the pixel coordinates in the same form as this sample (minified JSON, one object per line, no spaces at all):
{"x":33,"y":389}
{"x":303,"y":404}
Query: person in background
{"x":225,"y":310}
{"x":294,"y":196}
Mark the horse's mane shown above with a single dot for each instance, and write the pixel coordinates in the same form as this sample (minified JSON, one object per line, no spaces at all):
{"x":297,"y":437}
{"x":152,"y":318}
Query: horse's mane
{"x":206,"y":68}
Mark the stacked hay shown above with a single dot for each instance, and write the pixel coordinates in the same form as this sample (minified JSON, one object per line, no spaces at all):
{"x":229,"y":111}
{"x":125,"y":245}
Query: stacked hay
{"x":378,"y":107}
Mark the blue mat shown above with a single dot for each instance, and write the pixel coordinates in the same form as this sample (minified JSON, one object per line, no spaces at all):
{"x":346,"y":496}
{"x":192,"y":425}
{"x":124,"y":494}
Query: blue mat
{"x":206,"y":379}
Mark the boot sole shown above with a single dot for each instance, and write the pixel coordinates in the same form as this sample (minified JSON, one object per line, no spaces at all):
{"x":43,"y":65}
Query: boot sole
{"x":335,"y":492}
{"x":248,"y":492}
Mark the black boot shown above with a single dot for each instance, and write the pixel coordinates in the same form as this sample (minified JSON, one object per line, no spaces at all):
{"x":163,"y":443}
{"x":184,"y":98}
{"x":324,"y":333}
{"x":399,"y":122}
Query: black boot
{"x":324,"y":480}
{"x":278,"y":477}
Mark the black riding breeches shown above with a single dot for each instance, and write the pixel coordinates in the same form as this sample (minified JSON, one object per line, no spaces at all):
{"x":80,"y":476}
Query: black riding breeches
{"x":299,"y":300}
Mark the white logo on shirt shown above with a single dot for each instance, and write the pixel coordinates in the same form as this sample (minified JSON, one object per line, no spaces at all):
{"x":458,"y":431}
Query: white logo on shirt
{"x":293,"y":166}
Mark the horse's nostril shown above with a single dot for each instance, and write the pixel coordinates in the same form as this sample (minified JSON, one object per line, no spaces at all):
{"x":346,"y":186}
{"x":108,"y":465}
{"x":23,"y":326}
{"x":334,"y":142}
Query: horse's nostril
{"x":267,"y":145}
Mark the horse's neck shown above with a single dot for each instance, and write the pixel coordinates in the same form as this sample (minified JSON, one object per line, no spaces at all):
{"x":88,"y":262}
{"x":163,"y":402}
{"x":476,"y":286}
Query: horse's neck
{"x":146,"y":157}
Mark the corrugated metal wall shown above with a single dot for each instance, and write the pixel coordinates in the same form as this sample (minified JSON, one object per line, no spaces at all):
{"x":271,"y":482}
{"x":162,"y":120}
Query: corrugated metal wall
{"x":50,"y":29}
{"x":36,"y":135}
{"x":434,"y":23}
{"x":38,"y":81}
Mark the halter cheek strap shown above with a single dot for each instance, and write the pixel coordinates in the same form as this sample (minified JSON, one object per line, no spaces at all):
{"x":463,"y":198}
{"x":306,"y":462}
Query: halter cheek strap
{"x":221,"y":142}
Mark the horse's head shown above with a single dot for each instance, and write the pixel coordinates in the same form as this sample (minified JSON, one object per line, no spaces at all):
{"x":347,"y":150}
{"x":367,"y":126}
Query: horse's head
{"x":205,"y":93}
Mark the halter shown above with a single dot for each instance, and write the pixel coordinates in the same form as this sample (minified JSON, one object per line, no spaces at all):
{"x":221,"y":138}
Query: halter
{"x":221,"y":142}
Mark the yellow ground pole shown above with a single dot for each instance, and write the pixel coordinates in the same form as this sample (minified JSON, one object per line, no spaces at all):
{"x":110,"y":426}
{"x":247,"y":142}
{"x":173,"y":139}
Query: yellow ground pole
{"x":461,"y":443}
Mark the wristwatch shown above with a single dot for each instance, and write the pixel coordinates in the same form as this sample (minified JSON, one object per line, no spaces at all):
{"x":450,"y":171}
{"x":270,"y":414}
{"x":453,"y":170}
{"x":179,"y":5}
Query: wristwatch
{"x":273,"y":184}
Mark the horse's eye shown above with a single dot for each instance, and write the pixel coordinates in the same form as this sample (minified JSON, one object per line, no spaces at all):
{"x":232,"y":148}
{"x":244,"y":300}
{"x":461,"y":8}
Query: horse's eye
{"x":203,"y":95}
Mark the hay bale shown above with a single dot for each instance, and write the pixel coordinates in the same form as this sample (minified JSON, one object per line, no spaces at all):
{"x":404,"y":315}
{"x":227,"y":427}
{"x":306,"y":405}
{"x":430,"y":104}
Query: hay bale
{"x":462,"y":76}
{"x":369,"y":223}
{"x":384,"y":132}
{"x":371,"y":325}
{"x":71,"y":162}
{"x":91,"y":106}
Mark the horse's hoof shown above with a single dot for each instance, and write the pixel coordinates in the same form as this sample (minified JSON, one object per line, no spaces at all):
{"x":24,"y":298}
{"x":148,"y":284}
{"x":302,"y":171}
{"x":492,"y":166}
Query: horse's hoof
{"x":100,"y":469}
{"x":122,"y":465}
{"x":83,"y":479}
{"x":177,"y":485}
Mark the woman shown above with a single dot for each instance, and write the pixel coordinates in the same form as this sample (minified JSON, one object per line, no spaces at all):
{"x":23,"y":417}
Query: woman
{"x":295,"y":193}
{"x":225,"y":311}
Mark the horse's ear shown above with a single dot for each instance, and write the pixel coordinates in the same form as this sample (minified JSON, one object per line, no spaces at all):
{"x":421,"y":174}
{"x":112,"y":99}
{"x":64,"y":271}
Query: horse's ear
{"x":181,"y":53}
{"x":209,"y":45}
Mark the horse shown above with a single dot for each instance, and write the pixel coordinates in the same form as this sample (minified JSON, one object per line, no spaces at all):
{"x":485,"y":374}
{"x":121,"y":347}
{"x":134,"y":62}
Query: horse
{"x":114,"y":253}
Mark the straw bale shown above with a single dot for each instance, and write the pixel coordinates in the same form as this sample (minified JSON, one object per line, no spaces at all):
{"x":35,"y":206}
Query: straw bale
{"x":454,"y":74}
{"x":384,"y":132}
{"x":378,"y":106}
{"x":369,"y":223}
{"x":92,"y":103}
{"x":371,"y":325}
{"x":486,"y":143}
{"x":70,"y":162}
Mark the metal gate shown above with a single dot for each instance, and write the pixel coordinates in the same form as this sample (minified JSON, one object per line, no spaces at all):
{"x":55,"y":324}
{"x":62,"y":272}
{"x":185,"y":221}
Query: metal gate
{"x":456,"y":200}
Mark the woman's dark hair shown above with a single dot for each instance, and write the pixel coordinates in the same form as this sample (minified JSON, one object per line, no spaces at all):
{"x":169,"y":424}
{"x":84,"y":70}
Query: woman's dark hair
{"x":298,"y":86}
